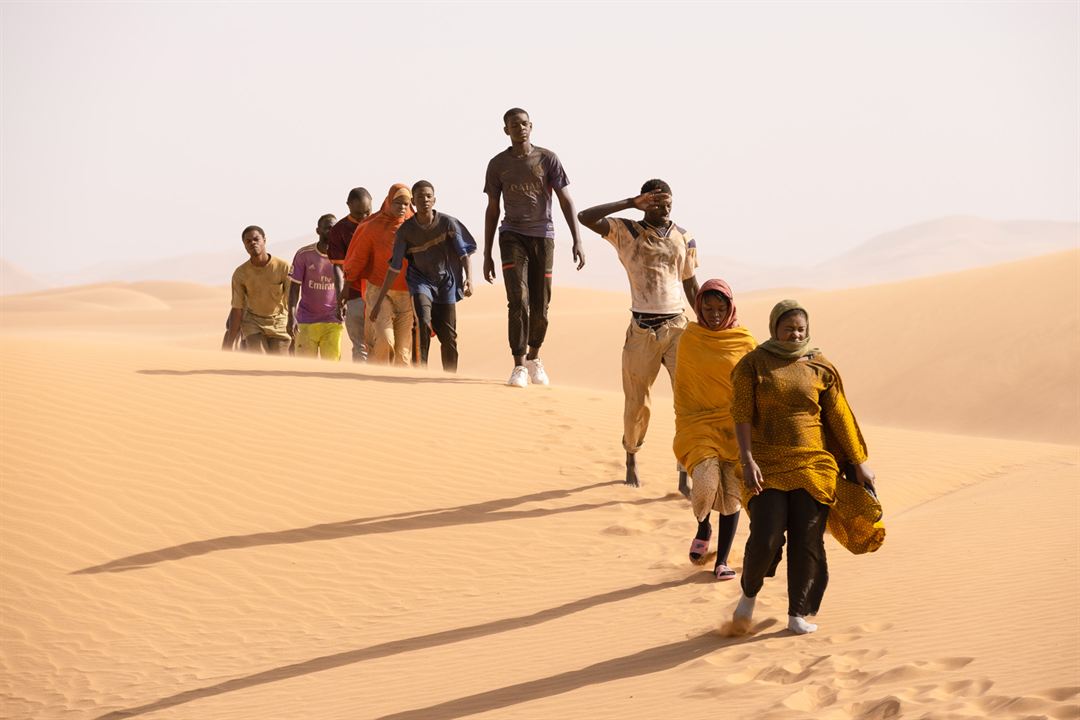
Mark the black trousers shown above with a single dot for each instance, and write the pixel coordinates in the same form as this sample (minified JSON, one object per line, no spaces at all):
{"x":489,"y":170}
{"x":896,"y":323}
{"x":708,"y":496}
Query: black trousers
{"x":442,"y":318}
{"x":526,"y":264}
{"x":771,"y":514}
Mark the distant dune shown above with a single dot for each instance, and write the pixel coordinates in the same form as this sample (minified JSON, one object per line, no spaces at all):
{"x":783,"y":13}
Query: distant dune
{"x":938,"y":246}
{"x":15,"y":280}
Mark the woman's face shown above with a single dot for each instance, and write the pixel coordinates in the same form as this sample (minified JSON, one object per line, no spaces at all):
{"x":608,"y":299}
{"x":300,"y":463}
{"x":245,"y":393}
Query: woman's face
{"x":793,"y":327}
{"x":399,"y":206}
{"x":714,"y":310}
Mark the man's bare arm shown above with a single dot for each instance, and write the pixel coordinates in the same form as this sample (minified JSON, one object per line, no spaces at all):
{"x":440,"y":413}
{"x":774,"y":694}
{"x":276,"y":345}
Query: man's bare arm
{"x":491,"y":221}
{"x":567,"y":205}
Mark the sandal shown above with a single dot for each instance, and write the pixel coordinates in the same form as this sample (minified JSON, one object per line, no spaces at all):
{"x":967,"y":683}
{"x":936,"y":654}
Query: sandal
{"x":698,"y":548}
{"x":723,"y":572}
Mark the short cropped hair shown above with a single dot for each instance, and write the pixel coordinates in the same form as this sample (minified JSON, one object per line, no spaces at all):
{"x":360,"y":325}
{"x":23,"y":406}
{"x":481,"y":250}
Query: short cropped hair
{"x":249,"y":228}
{"x":513,"y":111}
{"x":358,"y":193}
{"x":420,"y":184}
{"x":323,"y":217}
{"x":655,"y":184}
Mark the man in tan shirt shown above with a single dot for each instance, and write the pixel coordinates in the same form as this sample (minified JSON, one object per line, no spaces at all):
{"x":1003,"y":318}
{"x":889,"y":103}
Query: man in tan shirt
{"x":660,"y":259}
{"x":260,"y":299}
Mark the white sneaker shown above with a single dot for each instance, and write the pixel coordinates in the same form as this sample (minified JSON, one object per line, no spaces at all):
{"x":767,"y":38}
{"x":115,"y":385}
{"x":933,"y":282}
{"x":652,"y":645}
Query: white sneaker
{"x":537,"y":376}
{"x":520,"y":377}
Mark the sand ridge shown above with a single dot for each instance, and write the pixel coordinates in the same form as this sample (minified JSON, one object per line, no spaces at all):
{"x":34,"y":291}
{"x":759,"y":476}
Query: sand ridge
{"x":187,"y":533}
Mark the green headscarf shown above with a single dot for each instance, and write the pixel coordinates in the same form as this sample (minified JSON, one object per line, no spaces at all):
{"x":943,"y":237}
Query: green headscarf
{"x":784,"y":348}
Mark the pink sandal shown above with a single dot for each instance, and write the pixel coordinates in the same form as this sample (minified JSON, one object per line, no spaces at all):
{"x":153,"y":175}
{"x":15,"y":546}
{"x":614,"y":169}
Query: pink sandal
{"x":698,"y":548}
{"x":723,"y":572}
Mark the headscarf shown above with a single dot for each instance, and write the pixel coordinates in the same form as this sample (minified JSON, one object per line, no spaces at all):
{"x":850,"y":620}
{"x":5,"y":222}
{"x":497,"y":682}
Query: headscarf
{"x":787,"y":349}
{"x":716,"y":285}
{"x":374,"y":228}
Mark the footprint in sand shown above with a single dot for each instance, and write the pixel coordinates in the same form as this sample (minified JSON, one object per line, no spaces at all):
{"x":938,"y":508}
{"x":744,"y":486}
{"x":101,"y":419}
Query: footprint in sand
{"x":778,"y":674}
{"x":811,"y":698}
{"x":953,"y":663}
{"x":1060,"y":694}
{"x":882,"y":709}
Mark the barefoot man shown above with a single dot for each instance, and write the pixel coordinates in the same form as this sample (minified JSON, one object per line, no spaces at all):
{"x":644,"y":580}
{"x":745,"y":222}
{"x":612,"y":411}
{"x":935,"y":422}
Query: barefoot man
{"x":660,"y":259}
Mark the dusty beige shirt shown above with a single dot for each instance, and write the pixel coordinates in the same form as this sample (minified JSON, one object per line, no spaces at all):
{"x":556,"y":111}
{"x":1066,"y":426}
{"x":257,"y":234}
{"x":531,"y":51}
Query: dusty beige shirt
{"x":262,"y":290}
{"x":656,"y":263}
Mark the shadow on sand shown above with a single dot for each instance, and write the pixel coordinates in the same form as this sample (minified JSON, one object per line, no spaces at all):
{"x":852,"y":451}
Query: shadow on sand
{"x":482,"y":512}
{"x":398,"y":379}
{"x":641,"y":663}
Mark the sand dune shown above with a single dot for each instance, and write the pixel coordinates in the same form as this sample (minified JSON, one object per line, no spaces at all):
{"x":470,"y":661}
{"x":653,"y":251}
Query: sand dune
{"x":187,"y":533}
{"x":14,"y":280}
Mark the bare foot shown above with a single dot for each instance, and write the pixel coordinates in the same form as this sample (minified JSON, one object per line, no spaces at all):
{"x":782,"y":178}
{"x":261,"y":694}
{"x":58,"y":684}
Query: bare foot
{"x":631,"y":471}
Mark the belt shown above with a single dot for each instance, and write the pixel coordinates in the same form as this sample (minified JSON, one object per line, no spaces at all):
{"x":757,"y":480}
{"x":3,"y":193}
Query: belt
{"x":651,"y":321}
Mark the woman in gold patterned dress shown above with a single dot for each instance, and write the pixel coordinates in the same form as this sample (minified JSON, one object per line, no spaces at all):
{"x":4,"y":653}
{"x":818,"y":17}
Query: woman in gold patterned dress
{"x":795,"y":431}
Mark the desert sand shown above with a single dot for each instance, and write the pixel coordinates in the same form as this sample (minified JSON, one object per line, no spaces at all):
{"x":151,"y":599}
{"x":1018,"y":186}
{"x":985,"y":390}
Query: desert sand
{"x":186,"y":533}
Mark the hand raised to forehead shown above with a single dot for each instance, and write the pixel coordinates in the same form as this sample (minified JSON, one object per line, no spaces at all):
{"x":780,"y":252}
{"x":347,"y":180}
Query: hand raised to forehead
{"x":651,"y":200}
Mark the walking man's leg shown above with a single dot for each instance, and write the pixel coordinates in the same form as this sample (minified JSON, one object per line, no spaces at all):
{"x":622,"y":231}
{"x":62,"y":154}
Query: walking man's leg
{"x":541,"y":260}
{"x":422,"y":308}
{"x":515,"y":267}
{"x":354,"y":325}
{"x":641,"y":359}
{"x":444,"y":321}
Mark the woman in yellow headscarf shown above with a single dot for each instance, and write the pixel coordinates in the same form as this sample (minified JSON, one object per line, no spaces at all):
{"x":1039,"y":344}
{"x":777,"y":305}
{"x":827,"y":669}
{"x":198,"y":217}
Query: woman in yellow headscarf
{"x":795,"y":431}
{"x":704,"y":431}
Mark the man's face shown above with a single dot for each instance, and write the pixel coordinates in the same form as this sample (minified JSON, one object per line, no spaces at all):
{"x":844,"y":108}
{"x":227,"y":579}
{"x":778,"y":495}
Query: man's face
{"x":424,"y":200}
{"x":360,"y":207}
{"x":659,"y":209}
{"x":399,"y":206}
{"x":325,"y":223}
{"x":254,"y":243}
{"x":518,"y":127}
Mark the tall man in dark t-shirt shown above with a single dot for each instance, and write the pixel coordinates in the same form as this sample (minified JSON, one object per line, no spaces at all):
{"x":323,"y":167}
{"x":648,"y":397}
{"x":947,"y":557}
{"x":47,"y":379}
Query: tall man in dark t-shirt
{"x":525,"y":176}
{"x":359,"y":204}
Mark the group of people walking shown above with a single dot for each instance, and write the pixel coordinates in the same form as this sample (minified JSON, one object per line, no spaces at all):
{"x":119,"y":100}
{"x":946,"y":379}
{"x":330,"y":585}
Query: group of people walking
{"x":766,"y":427}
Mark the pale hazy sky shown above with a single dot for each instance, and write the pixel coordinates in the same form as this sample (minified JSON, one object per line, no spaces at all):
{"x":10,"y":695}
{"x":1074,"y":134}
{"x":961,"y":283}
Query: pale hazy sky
{"x":789,"y":131}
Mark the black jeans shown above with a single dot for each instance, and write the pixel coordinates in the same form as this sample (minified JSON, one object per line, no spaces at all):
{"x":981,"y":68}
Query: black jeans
{"x":526,"y":265}
{"x":771,"y":513}
{"x":442,"y":318}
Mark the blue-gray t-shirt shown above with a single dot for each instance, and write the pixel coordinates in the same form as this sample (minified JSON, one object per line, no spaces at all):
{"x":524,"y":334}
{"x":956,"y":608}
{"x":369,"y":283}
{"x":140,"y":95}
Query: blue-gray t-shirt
{"x":435,"y":252}
{"x":526,"y":184}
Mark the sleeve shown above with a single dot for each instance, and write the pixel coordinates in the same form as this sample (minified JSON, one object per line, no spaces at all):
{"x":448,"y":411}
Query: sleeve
{"x":239,"y":292}
{"x":462,"y":240}
{"x":841,"y":423}
{"x":286,"y":282}
{"x":492,"y":181}
{"x":617,"y":233}
{"x":297,"y":272}
{"x":690,"y":264}
{"x":358,"y":257}
{"x":398,"y":255}
{"x":743,"y":381}
{"x":336,"y":244}
{"x":556,"y":174}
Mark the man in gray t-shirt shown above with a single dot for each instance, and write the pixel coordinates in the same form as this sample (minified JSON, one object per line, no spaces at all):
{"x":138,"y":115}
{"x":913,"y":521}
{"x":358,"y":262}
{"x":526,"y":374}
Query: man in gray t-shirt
{"x":525,"y":176}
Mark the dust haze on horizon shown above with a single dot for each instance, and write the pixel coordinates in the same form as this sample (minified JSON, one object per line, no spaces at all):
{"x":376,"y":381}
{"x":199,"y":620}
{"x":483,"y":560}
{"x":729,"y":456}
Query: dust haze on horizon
{"x":790,"y":132}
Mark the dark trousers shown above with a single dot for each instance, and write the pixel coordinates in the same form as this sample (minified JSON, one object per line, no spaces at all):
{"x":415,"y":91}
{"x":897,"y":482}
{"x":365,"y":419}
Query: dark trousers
{"x":526,"y":265}
{"x":442,"y":318}
{"x":771,"y":514}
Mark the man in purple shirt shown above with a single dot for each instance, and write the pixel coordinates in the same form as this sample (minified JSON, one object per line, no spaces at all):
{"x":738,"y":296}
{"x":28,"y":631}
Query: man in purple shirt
{"x":314,"y":298}
{"x":524,"y":176}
